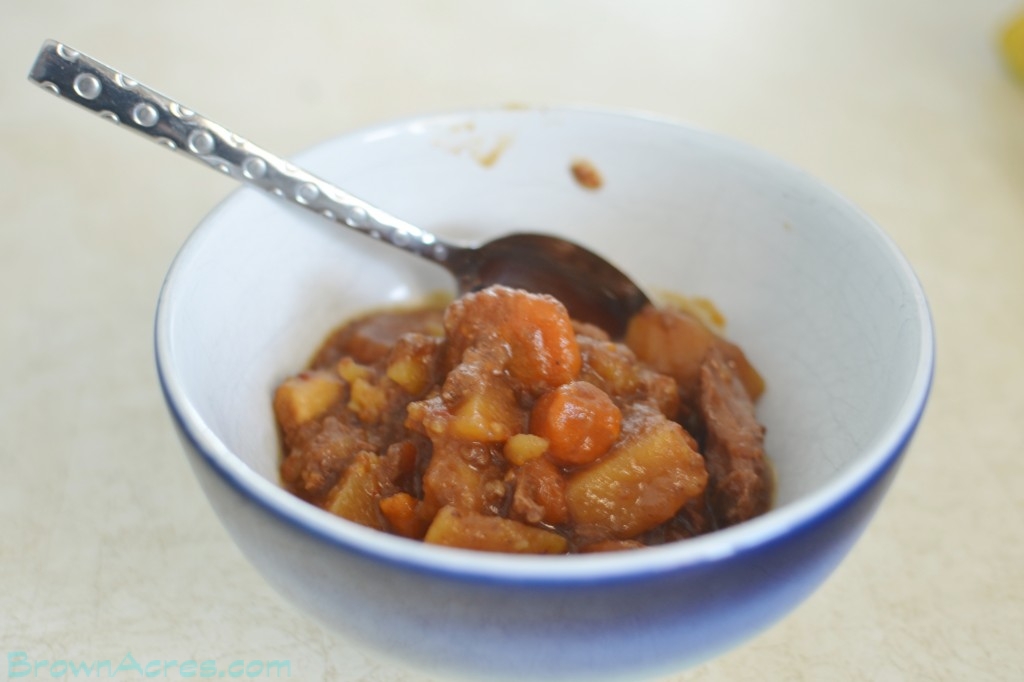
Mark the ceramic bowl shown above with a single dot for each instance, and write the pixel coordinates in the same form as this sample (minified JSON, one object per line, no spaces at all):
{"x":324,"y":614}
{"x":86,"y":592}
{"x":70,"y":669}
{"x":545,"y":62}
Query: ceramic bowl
{"x":814,"y":291}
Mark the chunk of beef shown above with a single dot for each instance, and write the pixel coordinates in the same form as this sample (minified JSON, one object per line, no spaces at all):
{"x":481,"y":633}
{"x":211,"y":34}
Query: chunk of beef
{"x":740,"y":475}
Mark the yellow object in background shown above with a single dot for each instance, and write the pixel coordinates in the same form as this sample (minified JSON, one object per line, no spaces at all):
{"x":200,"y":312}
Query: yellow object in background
{"x":1011,"y":45}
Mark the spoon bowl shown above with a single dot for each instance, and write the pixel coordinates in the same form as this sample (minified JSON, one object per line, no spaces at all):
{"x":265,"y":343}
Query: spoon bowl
{"x":591,"y":288}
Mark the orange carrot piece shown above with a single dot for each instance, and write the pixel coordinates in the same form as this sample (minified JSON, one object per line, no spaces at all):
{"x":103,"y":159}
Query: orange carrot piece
{"x":579,"y":421}
{"x":400,"y":511}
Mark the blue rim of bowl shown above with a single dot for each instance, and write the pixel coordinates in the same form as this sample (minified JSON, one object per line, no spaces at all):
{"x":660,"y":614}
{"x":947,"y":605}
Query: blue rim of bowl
{"x":556,"y":571}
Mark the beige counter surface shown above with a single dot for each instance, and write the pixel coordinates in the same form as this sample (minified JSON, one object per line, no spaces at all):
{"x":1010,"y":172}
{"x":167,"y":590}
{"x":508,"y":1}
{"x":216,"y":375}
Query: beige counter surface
{"x":108,"y":547}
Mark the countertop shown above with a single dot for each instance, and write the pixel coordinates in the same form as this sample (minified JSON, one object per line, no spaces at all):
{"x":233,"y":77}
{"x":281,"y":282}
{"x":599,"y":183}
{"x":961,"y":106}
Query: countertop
{"x":109,"y":549}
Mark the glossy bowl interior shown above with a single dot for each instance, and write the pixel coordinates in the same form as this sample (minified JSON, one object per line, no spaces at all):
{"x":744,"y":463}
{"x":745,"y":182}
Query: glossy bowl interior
{"x":817,"y":295}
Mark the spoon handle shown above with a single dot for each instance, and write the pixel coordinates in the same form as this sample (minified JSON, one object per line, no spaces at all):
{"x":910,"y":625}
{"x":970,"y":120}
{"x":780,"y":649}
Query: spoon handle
{"x":83,"y":80}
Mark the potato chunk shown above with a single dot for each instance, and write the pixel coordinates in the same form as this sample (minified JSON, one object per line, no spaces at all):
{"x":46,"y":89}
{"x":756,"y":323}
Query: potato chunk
{"x":467,"y":530}
{"x":642,"y":481}
{"x":473,"y":406}
{"x":355,"y":495}
{"x":522,"y":447}
{"x":305,"y":397}
{"x":352,"y":371}
{"x":486,"y":417}
{"x":367,"y":401}
{"x":413,"y":362}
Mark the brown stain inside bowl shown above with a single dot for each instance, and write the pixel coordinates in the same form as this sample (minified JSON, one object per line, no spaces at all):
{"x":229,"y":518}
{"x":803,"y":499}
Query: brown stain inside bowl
{"x":586,"y":174}
{"x":486,"y":150}
{"x":463,"y":127}
{"x":491,"y":156}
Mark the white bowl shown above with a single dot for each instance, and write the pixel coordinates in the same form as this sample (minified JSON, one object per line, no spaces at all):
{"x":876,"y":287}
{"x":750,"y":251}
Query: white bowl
{"x":817,"y":295}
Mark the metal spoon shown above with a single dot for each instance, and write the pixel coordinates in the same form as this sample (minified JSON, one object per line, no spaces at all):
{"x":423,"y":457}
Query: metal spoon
{"x":592,"y":289}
